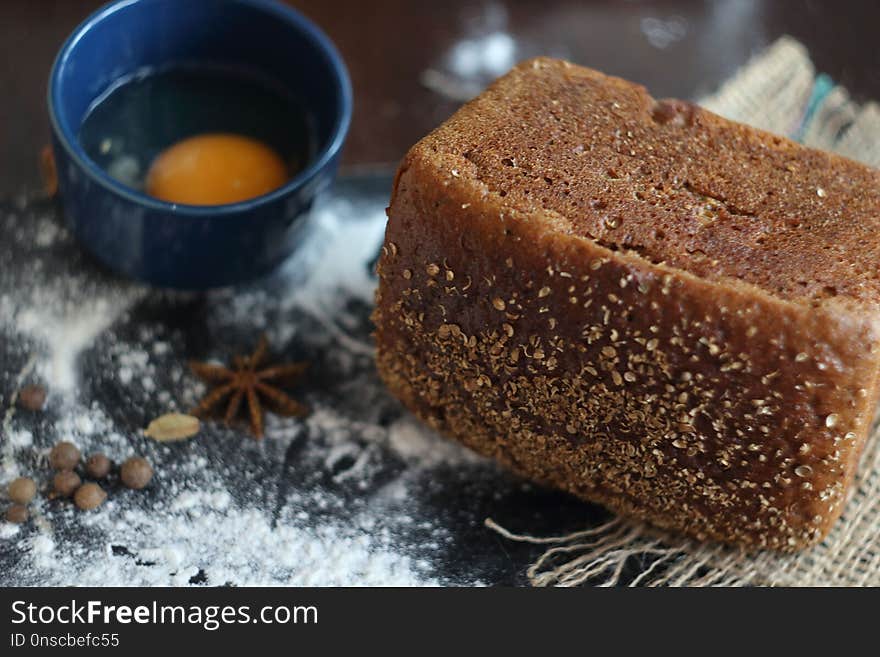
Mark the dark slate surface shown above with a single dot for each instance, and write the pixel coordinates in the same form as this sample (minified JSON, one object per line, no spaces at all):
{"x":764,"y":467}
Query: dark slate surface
{"x":454,"y":498}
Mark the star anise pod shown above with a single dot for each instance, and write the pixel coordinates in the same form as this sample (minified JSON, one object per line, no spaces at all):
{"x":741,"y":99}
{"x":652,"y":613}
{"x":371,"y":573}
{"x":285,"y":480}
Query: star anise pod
{"x":247,"y":379}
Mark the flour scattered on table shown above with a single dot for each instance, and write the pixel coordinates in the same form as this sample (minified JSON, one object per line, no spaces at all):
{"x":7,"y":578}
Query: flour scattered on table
{"x":338,"y":498}
{"x":202,"y":538}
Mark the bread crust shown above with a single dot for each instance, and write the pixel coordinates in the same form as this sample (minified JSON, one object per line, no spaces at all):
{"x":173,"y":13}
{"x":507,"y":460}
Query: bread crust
{"x":702,"y":404}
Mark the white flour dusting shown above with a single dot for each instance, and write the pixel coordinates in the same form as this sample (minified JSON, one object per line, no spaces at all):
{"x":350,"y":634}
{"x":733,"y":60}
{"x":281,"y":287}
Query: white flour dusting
{"x":300,"y":508}
{"x":66,"y":335}
{"x":423,"y":448}
{"x":202,"y":531}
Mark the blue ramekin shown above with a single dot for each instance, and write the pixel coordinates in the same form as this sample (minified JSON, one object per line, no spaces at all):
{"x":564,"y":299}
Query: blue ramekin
{"x":186,"y":246}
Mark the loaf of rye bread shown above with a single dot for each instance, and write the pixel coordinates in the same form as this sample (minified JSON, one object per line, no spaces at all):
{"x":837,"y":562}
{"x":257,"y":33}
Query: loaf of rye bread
{"x":638,"y":302}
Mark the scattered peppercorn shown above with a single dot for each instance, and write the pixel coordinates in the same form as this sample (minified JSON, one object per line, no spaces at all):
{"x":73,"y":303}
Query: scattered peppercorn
{"x":98,"y":466}
{"x":32,"y":397}
{"x":64,"y":456}
{"x":17,"y":513}
{"x":136,"y":472}
{"x":66,"y":482}
{"x":89,"y":496}
{"x":22,"y":490}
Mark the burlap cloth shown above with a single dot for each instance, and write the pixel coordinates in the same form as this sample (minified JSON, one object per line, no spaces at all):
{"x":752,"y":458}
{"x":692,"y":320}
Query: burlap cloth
{"x":778,"y":91}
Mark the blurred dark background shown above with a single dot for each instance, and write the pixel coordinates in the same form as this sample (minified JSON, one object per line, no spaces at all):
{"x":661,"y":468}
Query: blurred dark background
{"x":412,"y":62}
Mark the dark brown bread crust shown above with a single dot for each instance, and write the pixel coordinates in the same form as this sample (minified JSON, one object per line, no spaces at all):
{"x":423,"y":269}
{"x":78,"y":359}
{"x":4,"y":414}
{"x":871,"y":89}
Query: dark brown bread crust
{"x":728,"y":408}
{"x":671,"y":181}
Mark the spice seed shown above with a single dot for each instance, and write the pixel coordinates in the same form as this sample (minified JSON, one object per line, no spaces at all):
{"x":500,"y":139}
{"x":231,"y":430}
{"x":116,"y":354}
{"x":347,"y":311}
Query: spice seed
{"x":22,"y":490}
{"x":64,"y":456}
{"x":32,"y":398}
{"x":17,"y":514}
{"x":136,"y":472}
{"x":172,"y":426}
{"x":65,"y":483}
{"x":89,"y":496}
{"x":98,"y":466}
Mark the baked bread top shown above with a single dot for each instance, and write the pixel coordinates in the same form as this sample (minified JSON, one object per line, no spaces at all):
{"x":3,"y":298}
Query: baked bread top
{"x":670,"y":181}
{"x":638,"y":302}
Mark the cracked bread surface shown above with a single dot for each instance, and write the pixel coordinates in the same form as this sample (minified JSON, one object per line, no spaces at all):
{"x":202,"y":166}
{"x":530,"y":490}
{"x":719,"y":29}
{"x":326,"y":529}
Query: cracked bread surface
{"x":638,"y":302}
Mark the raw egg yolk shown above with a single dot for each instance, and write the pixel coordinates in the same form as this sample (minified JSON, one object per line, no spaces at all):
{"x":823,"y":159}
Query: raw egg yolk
{"x":215,"y":169}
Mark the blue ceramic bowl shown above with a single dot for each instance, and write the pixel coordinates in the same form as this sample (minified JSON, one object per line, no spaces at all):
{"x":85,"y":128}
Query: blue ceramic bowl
{"x":185,"y":246}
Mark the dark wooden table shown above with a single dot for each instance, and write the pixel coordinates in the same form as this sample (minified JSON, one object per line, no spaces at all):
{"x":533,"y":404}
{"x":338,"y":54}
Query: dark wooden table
{"x":676,"y":47}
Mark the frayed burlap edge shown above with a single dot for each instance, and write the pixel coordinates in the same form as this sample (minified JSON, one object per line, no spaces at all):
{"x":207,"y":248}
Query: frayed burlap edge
{"x":777,"y":91}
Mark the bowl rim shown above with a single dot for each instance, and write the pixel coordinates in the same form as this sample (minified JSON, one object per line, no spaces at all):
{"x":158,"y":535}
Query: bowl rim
{"x":307,"y":29}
